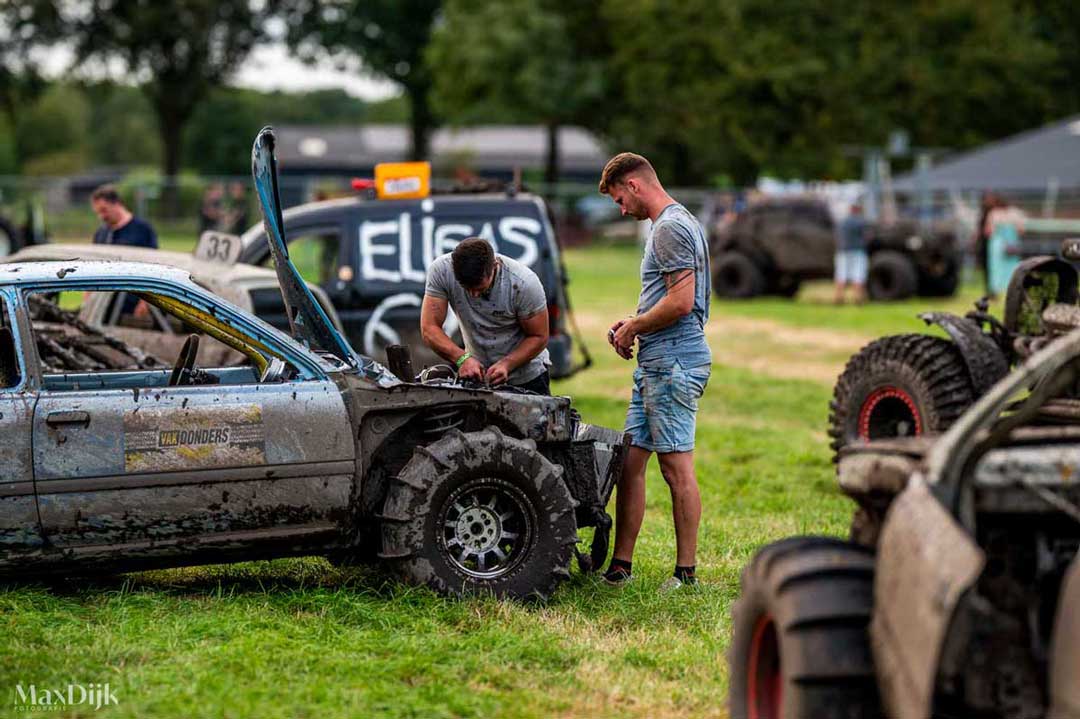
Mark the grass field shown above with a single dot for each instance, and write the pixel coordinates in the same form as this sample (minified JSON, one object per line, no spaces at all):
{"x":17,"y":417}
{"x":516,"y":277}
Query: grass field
{"x":298,"y":638}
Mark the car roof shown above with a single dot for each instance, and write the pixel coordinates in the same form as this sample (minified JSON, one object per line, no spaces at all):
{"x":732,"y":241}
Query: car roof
{"x":228,"y":281}
{"x":31,"y":271}
{"x":341,"y":203}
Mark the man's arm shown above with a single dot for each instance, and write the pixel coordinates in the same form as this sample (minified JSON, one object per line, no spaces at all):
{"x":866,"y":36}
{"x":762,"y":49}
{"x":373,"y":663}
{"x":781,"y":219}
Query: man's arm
{"x":536,"y":331}
{"x":432,"y":316}
{"x":678,"y":302}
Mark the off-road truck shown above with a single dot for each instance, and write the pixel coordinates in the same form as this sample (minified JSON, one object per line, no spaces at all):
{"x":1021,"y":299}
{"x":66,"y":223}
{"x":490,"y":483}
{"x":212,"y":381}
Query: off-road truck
{"x":912,"y":384}
{"x":958,"y":593}
{"x":305,"y":448}
{"x":775,"y":245}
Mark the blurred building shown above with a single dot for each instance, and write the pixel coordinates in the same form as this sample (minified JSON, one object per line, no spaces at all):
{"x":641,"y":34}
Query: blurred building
{"x":492,"y":151}
{"x":1041,"y":160}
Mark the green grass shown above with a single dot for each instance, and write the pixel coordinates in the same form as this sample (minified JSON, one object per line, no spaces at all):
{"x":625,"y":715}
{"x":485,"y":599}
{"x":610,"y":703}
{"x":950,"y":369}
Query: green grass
{"x":299,"y":638}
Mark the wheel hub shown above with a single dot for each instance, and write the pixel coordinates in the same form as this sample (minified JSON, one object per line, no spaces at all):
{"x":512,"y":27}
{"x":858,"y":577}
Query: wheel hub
{"x":479,"y":528}
{"x":487,"y":528}
{"x":889,"y":412}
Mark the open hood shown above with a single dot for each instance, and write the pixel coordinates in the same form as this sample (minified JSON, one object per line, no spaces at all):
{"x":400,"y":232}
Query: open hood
{"x":307,"y":320}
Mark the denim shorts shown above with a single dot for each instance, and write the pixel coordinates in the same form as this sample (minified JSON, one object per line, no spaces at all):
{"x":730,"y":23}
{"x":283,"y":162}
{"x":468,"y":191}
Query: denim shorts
{"x":662,"y":415}
{"x":851,"y":267}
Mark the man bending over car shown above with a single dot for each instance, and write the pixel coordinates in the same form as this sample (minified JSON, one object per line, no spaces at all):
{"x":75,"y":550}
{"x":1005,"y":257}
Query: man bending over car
{"x":502,"y":310}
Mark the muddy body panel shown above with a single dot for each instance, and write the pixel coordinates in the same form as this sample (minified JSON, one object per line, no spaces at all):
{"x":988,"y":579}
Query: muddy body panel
{"x":921,"y":547}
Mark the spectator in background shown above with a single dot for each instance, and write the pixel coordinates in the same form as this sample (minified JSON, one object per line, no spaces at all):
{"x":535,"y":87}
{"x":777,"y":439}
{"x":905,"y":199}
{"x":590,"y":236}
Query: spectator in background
{"x":119,"y":226}
{"x":237,"y":216}
{"x":851,"y":260}
{"x":981,"y":239}
{"x":1003,"y":226}
{"x":211,"y":211}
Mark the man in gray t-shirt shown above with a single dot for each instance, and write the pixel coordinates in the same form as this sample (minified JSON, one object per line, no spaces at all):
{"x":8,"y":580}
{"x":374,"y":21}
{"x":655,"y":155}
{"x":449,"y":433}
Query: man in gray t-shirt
{"x":674,"y":363}
{"x":502,"y":310}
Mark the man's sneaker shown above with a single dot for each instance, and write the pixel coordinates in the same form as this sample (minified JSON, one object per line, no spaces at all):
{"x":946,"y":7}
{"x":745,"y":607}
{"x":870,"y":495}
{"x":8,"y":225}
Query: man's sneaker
{"x":617,"y":576}
{"x":674,"y":584}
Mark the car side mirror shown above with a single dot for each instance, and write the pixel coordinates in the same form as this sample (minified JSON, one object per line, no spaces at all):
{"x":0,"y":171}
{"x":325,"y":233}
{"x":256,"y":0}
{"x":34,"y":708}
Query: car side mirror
{"x":1070,"y":249}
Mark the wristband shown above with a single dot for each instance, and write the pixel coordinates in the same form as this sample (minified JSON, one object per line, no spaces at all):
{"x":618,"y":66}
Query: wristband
{"x":461,"y":360}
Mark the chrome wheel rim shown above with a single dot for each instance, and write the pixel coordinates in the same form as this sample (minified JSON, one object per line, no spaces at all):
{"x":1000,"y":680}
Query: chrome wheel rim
{"x":487,"y":528}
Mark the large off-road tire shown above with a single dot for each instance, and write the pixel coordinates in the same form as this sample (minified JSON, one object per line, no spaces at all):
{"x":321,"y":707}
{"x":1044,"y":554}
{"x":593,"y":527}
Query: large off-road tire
{"x":899,"y":386}
{"x":735,"y":276}
{"x":785,"y":286}
{"x":942,"y":286}
{"x":891,"y":276}
{"x":480,"y":513}
{"x":801,"y":644}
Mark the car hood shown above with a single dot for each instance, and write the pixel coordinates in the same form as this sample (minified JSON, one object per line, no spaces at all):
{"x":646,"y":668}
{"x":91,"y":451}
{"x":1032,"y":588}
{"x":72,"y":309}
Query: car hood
{"x":307,"y":320}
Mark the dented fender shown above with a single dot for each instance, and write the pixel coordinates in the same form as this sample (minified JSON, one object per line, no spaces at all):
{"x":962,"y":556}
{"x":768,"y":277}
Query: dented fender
{"x":1065,"y":649}
{"x":985,"y":362}
{"x":921,"y":546}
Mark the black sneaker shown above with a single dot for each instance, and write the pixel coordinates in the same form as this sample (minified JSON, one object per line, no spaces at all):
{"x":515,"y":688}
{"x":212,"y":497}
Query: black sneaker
{"x":617,"y":576}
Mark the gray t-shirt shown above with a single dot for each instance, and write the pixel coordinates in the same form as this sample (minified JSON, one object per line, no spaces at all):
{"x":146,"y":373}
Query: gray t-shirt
{"x":676,"y":242}
{"x":491,"y":323}
{"x":852,"y":234}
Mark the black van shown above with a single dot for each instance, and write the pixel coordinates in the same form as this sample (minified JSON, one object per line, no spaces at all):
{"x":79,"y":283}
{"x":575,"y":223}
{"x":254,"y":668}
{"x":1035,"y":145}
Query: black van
{"x":370,"y":256}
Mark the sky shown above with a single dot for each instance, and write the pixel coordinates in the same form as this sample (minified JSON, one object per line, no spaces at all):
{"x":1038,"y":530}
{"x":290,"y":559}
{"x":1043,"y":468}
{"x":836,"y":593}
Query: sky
{"x":269,"y":67}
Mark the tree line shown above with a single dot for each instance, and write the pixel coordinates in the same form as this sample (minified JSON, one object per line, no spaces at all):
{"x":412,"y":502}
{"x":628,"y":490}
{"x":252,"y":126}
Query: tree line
{"x":713,"y":92}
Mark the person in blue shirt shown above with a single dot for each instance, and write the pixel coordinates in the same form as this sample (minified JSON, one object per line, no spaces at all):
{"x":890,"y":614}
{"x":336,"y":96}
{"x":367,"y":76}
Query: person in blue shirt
{"x":674,"y":362}
{"x":118,"y":225}
{"x":851,"y":262}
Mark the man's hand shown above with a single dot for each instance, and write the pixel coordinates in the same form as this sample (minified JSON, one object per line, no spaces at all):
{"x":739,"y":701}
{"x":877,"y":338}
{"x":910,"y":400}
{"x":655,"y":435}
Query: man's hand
{"x":498,"y":373}
{"x":471,"y":369}
{"x":621,"y":336}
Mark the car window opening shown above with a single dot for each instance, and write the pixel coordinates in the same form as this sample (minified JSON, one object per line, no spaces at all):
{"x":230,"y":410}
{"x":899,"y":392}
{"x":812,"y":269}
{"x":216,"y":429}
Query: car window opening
{"x":149,"y":340}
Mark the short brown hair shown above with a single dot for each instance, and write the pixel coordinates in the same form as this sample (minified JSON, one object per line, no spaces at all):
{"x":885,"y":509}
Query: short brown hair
{"x":107,"y":193}
{"x":473,"y":260}
{"x":618,"y":167}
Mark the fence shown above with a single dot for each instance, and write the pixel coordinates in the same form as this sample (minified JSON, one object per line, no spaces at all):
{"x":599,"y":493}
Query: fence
{"x":61,"y":204}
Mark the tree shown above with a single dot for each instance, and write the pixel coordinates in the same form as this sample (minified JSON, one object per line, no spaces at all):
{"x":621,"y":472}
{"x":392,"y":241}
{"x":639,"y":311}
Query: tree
{"x":511,"y":58}
{"x":20,"y":81}
{"x":388,"y":36}
{"x":178,"y":51}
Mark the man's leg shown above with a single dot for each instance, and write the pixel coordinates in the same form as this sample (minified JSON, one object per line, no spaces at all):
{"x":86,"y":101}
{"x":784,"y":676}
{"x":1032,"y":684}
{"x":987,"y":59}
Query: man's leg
{"x":630,"y":503}
{"x":678,"y":471}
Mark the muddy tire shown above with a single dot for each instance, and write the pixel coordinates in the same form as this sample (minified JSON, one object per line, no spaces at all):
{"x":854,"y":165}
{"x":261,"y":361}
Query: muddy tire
{"x":735,"y":276}
{"x":891,"y":276}
{"x":942,"y":286}
{"x":480,"y":513}
{"x":801,"y":641}
{"x":785,"y":286}
{"x":898,"y":386}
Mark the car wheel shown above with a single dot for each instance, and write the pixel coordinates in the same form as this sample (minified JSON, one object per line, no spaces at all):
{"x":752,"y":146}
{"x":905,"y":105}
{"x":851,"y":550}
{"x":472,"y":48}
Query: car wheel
{"x":480,"y":513}
{"x":891,"y":276}
{"x":899,"y":386}
{"x":801,"y":644}
{"x":735,"y":276}
{"x":944,"y":285}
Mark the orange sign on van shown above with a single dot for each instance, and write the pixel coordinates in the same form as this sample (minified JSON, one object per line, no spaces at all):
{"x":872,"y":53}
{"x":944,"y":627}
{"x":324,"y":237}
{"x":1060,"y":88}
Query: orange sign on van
{"x":403,"y":180}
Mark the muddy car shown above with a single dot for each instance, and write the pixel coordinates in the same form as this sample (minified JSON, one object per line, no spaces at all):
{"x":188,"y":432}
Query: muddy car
{"x":958,"y":594}
{"x":774,"y":246}
{"x":252,"y":289}
{"x":913,"y":384}
{"x":305,"y":448}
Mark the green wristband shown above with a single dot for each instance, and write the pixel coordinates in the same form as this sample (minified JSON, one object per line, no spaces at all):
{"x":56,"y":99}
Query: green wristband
{"x":461,"y":360}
